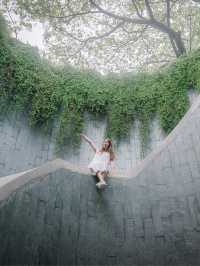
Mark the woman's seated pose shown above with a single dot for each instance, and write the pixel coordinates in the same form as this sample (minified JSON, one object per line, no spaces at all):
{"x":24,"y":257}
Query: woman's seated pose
{"x":101,"y":163}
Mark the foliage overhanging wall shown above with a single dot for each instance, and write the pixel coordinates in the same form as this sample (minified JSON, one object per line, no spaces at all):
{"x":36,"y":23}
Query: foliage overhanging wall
{"x":30,"y":84}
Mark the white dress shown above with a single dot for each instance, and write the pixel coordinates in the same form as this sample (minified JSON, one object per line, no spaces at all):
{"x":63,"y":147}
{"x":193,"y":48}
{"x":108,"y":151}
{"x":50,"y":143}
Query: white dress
{"x":100,"y":162}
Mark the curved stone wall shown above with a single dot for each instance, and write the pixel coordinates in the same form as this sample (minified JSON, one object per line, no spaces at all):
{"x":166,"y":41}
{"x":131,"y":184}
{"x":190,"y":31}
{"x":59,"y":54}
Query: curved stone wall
{"x":58,"y":217}
{"x":22,"y":148}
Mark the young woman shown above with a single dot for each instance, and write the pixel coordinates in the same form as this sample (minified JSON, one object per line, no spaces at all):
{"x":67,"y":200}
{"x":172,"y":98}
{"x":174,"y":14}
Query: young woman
{"x":101,"y":163}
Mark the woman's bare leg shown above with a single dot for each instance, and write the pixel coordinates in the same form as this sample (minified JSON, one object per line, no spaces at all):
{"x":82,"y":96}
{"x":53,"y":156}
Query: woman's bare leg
{"x":92,"y":172}
{"x":101,"y":176}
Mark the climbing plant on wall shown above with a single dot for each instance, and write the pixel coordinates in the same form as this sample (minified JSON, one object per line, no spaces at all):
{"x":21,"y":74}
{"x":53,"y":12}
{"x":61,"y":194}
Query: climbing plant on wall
{"x":32,"y":85}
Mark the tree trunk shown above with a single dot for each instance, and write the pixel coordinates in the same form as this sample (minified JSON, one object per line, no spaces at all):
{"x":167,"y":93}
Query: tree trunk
{"x":174,"y":36}
{"x":177,"y":43}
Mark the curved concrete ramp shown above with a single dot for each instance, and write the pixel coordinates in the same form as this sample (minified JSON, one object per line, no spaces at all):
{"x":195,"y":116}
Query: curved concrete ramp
{"x":56,"y":216}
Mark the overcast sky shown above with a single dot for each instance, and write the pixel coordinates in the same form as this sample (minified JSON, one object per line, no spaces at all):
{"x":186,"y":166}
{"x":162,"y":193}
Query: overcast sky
{"x":33,"y":36}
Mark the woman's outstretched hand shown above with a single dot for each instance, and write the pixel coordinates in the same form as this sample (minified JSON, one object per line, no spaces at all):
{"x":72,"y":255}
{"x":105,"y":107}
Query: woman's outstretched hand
{"x":89,"y":141}
{"x":82,"y":136}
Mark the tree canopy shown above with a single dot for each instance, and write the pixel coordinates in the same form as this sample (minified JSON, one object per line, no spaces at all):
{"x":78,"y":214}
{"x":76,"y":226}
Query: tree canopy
{"x":108,"y":35}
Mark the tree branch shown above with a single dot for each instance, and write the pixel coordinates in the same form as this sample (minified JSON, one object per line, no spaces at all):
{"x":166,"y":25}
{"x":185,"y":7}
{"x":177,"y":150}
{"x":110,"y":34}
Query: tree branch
{"x":130,"y":41}
{"x":137,"y":9}
{"x":118,"y":17}
{"x":93,"y":37}
{"x":177,"y":42}
{"x":12,"y":21}
{"x":151,"y":22}
{"x":106,"y":33}
{"x":74,"y":15}
{"x":134,"y":31}
{"x":175,"y":38}
{"x":168,"y":13}
{"x":149,"y":9}
{"x":173,"y":45}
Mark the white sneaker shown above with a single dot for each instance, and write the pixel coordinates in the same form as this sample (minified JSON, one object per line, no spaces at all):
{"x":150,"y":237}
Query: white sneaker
{"x":101,"y":184}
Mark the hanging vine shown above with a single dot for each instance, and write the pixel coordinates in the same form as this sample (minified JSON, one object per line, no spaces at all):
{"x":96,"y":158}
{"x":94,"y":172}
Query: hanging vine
{"x":31,"y":85}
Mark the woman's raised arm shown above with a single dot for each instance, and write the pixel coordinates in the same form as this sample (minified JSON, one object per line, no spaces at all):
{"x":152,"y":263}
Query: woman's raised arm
{"x":89,"y":141}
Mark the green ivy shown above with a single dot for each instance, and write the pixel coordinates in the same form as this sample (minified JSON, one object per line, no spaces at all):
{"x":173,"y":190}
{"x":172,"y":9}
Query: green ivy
{"x":45,"y":93}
